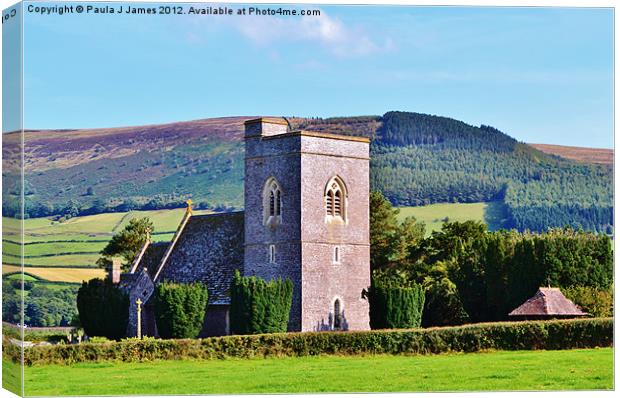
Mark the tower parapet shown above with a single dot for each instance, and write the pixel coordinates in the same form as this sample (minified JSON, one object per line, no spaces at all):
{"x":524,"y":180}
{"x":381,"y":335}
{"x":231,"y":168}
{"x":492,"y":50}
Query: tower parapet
{"x":265,"y":127}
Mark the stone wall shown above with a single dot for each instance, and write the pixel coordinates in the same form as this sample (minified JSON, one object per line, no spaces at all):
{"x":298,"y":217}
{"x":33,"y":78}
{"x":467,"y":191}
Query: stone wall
{"x":324,"y":281}
{"x":139,"y":286}
{"x":266,"y":158}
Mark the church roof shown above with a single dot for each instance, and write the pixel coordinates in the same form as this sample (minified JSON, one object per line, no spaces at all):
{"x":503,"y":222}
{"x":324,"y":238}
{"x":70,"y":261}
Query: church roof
{"x":152,"y":257}
{"x":206,"y":248}
{"x":548,"y":301}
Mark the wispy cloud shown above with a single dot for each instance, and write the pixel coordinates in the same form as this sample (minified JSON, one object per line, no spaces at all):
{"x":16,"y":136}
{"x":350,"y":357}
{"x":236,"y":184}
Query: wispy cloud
{"x":326,"y":31}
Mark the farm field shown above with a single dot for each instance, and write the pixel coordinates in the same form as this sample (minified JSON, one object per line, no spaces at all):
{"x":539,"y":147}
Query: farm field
{"x":587,"y":369}
{"x":74,"y":244}
{"x":492,"y":213}
{"x":53,"y":274}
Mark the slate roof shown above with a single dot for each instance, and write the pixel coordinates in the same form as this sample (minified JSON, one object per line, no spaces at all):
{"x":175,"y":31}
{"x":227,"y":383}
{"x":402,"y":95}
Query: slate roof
{"x":207,"y":248}
{"x":127,"y":281}
{"x":152,"y":257}
{"x":548,"y":301}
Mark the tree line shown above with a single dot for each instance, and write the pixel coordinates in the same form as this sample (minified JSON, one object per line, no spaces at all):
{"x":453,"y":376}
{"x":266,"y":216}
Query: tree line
{"x":472,"y":275}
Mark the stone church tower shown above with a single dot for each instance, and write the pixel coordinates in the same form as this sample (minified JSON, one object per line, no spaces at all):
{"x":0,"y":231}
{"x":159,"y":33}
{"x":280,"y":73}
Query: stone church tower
{"x":307,"y":219}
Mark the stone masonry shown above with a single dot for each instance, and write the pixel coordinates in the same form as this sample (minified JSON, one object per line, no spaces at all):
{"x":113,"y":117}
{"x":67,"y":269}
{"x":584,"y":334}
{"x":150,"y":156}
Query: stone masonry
{"x":303,"y":163}
{"x":327,"y":258}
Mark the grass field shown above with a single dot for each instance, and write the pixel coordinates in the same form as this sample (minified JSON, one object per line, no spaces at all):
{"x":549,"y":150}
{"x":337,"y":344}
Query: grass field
{"x":590,"y":369}
{"x":11,"y":377}
{"x":492,"y":213}
{"x":58,"y":274}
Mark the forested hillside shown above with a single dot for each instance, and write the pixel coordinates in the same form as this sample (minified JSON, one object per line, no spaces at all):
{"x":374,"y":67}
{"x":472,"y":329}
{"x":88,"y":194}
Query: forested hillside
{"x":417,"y":159}
{"x":420,"y":159}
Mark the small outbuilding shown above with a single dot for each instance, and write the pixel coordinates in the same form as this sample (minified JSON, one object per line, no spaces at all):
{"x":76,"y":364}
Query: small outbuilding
{"x":547,"y":303}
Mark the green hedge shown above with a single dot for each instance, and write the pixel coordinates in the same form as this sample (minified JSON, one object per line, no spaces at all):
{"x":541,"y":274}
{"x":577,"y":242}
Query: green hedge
{"x":180,"y":309}
{"x":549,"y":335}
{"x":257,"y":306}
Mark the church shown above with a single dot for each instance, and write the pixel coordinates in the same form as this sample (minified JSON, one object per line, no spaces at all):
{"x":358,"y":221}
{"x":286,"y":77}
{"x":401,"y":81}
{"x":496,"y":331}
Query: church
{"x":305,"y":218}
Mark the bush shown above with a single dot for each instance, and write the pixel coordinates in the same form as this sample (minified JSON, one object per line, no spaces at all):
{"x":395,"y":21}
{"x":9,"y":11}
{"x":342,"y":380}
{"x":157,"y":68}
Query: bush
{"x":598,"y":303}
{"x":257,"y":306}
{"x":395,"y":302}
{"x":443,"y":306}
{"x":534,"y":335}
{"x":180,"y":309}
{"x":103,"y":309}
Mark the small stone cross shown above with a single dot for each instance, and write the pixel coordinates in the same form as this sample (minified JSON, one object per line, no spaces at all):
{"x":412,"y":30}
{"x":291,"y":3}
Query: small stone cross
{"x":139,"y":303}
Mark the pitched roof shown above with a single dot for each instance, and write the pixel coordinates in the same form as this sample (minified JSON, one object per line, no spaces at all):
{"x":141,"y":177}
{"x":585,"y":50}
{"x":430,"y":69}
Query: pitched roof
{"x":152,"y":257}
{"x":186,"y":217}
{"x":548,"y":301}
{"x":208,"y":248}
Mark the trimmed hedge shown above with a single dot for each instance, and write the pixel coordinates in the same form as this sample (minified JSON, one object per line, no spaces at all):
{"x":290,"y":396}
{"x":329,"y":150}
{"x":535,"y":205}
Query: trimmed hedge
{"x":258,"y":306}
{"x":180,"y":309}
{"x":534,"y":335}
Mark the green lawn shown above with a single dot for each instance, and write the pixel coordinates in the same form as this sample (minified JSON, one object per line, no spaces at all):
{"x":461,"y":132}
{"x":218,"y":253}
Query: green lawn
{"x":590,"y":369}
{"x":11,"y":377}
{"x":492,"y":213}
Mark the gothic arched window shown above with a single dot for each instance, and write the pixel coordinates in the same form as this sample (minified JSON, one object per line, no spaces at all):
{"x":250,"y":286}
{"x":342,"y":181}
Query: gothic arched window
{"x":272,"y":202}
{"x":335,"y":200}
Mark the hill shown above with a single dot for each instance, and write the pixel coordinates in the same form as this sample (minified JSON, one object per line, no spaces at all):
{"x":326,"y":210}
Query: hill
{"x":579,"y":154}
{"x":417,"y":160}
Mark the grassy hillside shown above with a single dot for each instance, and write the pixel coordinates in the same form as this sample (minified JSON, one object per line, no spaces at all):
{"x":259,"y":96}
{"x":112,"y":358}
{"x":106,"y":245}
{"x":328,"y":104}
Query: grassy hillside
{"x":417,"y":160}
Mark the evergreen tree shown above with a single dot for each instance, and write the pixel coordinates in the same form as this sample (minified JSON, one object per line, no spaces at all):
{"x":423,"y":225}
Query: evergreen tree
{"x":103,"y":309}
{"x":257,"y":306}
{"x":180,"y":309}
{"x":127,"y":243}
{"x":395,"y":302}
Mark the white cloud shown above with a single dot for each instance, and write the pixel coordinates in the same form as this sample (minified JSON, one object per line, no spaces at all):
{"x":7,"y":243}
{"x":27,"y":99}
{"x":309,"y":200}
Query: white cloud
{"x":330,"y":33}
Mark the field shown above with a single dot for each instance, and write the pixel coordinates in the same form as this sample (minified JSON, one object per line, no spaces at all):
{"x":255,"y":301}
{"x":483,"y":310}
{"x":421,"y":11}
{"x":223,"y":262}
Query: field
{"x":492,"y":213}
{"x":588,"y":369}
{"x":62,"y":251}
{"x":59,"y":274}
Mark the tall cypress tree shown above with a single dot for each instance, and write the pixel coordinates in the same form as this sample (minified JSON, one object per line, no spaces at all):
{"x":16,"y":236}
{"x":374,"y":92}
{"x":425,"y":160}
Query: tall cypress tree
{"x":395,"y":302}
{"x":257,"y":306}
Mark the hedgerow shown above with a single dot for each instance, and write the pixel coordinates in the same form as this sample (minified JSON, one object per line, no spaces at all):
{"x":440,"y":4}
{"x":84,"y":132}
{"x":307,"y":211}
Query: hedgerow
{"x":534,"y":335}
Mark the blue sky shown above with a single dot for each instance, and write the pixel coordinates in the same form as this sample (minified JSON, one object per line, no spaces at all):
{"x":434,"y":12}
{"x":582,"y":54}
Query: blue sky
{"x":538,"y":74}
